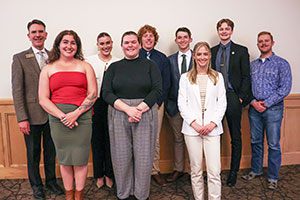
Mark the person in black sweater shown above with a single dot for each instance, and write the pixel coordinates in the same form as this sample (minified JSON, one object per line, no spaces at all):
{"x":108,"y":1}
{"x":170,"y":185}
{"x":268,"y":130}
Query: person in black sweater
{"x":131,"y":87}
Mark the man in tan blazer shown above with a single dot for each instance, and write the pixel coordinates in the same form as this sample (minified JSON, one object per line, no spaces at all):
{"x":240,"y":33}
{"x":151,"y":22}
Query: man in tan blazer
{"x":32,"y":119}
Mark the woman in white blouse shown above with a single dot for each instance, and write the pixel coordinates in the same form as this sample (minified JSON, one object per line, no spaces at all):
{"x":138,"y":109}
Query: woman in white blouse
{"x":202,"y":104}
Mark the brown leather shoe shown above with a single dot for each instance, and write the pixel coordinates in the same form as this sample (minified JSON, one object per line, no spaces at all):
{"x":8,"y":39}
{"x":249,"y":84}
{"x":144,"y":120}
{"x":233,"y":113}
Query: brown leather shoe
{"x":174,"y":176}
{"x":159,"y":180}
{"x":69,"y":195}
{"x":78,"y":195}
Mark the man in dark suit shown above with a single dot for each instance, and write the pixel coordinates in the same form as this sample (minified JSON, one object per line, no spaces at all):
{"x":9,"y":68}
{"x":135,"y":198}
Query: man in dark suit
{"x":232,"y":60}
{"x":32,"y":119}
{"x":181,"y":62}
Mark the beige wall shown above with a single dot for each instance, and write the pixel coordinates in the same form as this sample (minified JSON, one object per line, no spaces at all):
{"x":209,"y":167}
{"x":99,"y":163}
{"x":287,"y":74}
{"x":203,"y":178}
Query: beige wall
{"x":88,"y":18}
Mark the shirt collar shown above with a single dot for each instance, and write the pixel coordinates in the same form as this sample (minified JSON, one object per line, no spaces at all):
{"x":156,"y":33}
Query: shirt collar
{"x":268,"y":58}
{"x":227,"y":45}
{"x":145,"y":51}
{"x":35,"y":50}
{"x":188,"y":53}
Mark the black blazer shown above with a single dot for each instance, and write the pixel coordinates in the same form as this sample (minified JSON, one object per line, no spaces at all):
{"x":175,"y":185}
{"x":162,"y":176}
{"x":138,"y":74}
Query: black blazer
{"x":239,"y":70}
{"x":171,"y":103}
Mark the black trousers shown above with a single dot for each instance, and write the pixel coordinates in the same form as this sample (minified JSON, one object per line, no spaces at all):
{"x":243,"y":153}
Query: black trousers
{"x":100,"y":141}
{"x":33,"y":147}
{"x":234,"y":115}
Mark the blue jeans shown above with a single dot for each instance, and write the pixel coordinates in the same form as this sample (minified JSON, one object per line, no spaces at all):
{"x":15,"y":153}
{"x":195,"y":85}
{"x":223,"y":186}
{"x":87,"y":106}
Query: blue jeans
{"x":269,"y":121}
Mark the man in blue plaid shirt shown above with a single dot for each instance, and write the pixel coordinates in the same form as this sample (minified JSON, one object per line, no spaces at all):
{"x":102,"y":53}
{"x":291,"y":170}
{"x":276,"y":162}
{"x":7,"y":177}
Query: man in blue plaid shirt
{"x":271,"y":83}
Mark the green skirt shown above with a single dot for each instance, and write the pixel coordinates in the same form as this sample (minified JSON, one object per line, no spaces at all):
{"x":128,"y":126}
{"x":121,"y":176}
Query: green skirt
{"x":72,"y":145}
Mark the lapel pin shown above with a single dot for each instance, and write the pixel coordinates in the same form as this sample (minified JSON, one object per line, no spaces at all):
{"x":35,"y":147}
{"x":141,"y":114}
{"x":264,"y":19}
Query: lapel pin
{"x":233,"y":53}
{"x":29,"y":55}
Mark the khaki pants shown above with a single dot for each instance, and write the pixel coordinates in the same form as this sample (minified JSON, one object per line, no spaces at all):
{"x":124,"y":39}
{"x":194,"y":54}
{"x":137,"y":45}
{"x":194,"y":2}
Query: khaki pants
{"x":155,"y":167}
{"x":179,"y":146}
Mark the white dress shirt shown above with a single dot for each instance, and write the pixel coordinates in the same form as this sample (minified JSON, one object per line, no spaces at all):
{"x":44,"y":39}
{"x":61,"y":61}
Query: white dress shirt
{"x":188,"y":59}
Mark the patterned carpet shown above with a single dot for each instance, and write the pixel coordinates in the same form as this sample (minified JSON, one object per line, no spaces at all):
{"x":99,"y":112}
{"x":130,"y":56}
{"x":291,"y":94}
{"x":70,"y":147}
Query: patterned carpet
{"x":256,"y":189}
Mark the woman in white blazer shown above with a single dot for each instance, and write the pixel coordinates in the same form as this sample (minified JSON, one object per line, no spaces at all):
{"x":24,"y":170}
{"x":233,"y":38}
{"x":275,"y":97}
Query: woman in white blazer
{"x":202,"y":104}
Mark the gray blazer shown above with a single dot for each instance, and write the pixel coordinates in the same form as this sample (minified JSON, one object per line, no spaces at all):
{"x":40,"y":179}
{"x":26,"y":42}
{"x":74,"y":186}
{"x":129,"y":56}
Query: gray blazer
{"x":25,"y":83}
{"x":171,"y":103}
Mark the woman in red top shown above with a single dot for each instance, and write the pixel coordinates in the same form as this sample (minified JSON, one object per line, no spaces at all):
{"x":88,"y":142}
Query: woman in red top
{"x":67,"y":91}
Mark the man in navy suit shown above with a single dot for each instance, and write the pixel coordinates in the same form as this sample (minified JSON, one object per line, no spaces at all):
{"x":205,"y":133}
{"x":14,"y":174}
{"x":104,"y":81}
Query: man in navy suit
{"x":232,"y":60}
{"x":148,"y":36}
{"x":181,"y":62}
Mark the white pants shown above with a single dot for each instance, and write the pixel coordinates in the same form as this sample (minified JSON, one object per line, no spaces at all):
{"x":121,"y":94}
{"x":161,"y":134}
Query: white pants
{"x":210,"y":146}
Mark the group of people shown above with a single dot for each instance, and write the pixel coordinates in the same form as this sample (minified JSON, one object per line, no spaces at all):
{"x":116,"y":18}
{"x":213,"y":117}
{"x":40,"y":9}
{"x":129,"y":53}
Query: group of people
{"x":117,"y":106}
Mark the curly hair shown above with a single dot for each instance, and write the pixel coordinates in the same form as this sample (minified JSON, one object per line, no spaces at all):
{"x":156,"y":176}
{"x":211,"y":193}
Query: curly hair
{"x":54,"y":54}
{"x":144,"y":29}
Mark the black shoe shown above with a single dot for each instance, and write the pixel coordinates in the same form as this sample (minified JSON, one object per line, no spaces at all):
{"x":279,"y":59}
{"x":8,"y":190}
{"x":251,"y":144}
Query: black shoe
{"x":231,"y":180}
{"x":55,"y":188}
{"x":39,"y":194}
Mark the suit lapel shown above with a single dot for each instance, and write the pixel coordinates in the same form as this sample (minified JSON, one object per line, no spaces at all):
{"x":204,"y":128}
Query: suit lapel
{"x":214,"y":56}
{"x":33,"y":61}
{"x":197,"y":93}
{"x":231,"y":56}
{"x":191,"y":61}
{"x":176,"y":69}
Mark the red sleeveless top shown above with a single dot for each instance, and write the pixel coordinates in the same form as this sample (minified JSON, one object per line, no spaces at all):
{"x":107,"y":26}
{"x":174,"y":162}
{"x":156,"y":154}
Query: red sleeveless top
{"x":68,"y":87}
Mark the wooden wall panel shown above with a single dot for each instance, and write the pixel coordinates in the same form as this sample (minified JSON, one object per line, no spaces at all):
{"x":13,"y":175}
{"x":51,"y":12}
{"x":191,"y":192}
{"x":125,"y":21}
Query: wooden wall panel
{"x":2,"y":161}
{"x":16,"y":143}
{"x":13,"y":152}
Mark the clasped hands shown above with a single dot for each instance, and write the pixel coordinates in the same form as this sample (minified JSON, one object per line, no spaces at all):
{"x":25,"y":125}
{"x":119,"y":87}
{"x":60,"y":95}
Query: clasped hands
{"x":203,"y":130}
{"x":69,"y":119}
{"x":135,"y":114}
{"x":259,"y":106}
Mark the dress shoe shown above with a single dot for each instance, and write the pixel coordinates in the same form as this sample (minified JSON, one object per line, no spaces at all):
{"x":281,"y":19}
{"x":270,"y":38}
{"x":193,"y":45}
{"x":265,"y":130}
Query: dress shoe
{"x":174,"y":176}
{"x":109,"y":182}
{"x":39,"y":194}
{"x":55,"y":188}
{"x":100,"y":182}
{"x":231,"y":180}
{"x":159,"y":180}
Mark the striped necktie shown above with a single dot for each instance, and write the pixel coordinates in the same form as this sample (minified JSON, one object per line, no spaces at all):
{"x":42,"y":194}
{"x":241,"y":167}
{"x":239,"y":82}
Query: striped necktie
{"x":42,"y":59}
{"x":148,"y":55}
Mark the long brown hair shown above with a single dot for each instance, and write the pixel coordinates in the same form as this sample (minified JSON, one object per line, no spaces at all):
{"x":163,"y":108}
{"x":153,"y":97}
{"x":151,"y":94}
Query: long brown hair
{"x":54,"y":54}
{"x":192,"y":74}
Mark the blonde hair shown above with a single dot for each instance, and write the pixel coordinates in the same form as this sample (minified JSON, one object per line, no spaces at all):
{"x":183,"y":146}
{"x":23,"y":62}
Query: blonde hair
{"x":192,"y":74}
